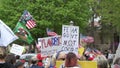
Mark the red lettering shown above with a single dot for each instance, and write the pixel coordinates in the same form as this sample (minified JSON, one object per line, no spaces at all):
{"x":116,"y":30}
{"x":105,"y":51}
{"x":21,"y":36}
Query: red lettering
{"x":59,"y":40}
{"x":49,"y":42}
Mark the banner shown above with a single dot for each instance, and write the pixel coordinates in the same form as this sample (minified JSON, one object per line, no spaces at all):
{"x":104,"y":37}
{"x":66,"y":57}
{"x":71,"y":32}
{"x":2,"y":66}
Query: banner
{"x":17,"y":49}
{"x":49,"y":45}
{"x":70,"y":38}
{"x":6,"y":35}
{"x":82,"y":64}
{"x":22,"y":32}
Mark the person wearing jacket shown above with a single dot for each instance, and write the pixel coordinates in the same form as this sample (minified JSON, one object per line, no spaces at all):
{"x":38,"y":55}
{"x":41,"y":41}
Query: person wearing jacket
{"x":19,"y":64}
{"x":3,"y":63}
{"x":34,"y":62}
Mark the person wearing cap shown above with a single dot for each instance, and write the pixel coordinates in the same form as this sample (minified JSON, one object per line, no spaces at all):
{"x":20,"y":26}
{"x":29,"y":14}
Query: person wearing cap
{"x":3,"y":63}
{"x":34,"y":62}
{"x":40,"y":58}
{"x":19,"y":64}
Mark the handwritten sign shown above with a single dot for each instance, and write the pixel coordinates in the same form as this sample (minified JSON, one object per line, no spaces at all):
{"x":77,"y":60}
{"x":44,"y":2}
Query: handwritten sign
{"x":17,"y":49}
{"x":49,"y":45}
{"x":70,"y":38}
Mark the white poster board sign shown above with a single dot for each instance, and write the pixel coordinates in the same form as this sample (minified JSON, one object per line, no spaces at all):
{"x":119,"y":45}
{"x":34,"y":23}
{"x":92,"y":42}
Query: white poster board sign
{"x":17,"y":49}
{"x":117,"y":55}
{"x":7,"y":36}
{"x":70,"y":38}
{"x":49,"y":45}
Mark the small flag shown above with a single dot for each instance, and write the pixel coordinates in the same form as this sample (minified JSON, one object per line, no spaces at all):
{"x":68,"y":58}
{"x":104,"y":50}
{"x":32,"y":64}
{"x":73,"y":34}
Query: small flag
{"x":22,"y":32}
{"x":6,"y":35}
{"x":28,"y":20}
{"x":30,"y":24}
{"x":50,"y":32}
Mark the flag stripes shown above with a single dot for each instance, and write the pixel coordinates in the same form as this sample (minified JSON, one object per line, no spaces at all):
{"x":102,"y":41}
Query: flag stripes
{"x":50,"y":32}
{"x":30,"y":24}
{"x":28,"y":20}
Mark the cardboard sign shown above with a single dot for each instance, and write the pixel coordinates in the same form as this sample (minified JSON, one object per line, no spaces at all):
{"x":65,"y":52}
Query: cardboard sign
{"x":49,"y":45}
{"x":70,"y":38}
{"x":17,"y":49}
{"x":82,"y":64}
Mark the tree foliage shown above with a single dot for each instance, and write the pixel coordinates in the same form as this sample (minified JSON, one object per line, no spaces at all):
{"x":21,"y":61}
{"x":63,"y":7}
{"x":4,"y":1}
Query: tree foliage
{"x":109,"y":10}
{"x":47,"y":13}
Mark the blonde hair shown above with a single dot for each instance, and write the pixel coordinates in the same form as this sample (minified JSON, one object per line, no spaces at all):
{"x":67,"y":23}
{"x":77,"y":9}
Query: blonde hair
{"x":101,"y":61}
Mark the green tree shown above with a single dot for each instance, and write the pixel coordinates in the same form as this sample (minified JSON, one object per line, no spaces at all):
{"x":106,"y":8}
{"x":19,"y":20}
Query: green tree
{"x":47,"y":13}
{"x":109,"y":10}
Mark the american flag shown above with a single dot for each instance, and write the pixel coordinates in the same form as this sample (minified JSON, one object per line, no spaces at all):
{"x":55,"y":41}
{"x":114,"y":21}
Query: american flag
{"x":28,"y":20}
{"x":50,"y":32}
{"x":30,"y":24}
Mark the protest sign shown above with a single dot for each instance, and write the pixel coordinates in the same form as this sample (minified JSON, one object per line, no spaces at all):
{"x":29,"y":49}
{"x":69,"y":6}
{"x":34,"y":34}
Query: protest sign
{"x":49,"y":45}
{"x":6,"y":35}
{"x":17,"y":49}
{"x":70,"y":38}
{"x":82,"y":64}
{"x":81,"y":50}
{"x":117,"y":55}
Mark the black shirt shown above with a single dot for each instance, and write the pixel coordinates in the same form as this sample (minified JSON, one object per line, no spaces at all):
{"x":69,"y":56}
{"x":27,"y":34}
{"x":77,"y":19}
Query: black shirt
{"x":6,"y":65}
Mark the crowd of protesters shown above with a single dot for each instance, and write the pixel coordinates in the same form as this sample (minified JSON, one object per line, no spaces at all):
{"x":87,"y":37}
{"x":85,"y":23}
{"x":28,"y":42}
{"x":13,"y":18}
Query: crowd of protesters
{"x":70,"y":60}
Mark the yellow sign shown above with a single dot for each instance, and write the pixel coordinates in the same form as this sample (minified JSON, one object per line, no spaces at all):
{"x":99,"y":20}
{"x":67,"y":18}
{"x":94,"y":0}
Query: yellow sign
{"x":82,"y":64}
{"x":81,"y":50}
